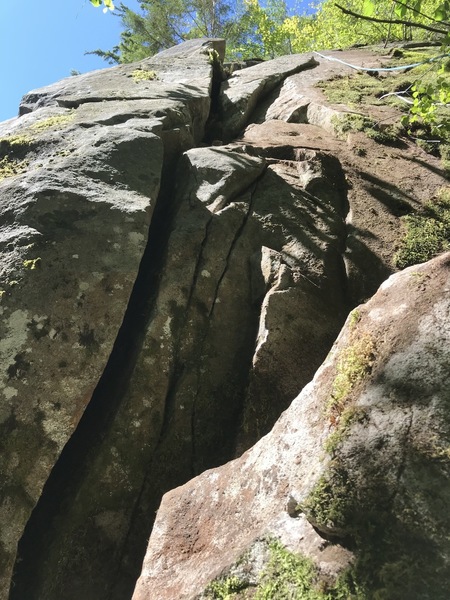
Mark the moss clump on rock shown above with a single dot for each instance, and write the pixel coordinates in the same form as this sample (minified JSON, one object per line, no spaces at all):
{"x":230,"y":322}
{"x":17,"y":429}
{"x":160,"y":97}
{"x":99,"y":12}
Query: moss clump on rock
{"x":285,"y":575}
{"x":56,"y":122}
{"x":427,"y":233}
{"x":13,"y":149}
{"x":225,"y":588}
{"x":143,"y":75}
{"x":354,"y":363}
{"x":13,"y":142}
{"x":355,"y":122}
{"x":32,"y":264}
{"x":330,"y":502}
{"x":10,"y":167}
{"x":288,"y":575}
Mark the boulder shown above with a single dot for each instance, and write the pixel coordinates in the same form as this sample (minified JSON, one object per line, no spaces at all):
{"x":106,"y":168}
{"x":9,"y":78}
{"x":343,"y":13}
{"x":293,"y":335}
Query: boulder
{"x":354,"y":476}
{"x":76,"y":212}
{"x":241,"y":93}
{"x":165,"y":297}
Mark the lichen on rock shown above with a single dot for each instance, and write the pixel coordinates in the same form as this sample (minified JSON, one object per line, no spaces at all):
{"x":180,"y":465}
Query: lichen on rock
{"x":179,"y":250}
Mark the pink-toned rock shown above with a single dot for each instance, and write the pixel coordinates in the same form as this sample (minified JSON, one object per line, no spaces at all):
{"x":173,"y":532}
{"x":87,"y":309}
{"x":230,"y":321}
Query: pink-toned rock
{"x":367,"y":466}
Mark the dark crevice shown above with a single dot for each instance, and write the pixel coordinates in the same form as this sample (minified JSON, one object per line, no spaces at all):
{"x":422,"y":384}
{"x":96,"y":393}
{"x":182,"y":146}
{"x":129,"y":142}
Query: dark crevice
{"x":60,"y":491}
{"x":212,"y":125}
{"x":177,"y":372}
{"x":252,"y":345}
{"x":156,"y":479}
{"x":73,"y":463}
{"x":234,"y":242}
{"x":59,"y":494}
{"x":403,"y":459}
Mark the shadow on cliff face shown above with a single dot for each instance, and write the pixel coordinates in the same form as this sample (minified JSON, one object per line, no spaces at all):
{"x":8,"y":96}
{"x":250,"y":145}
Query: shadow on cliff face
{"x":240,"y":295}
{"x":232,"y":313}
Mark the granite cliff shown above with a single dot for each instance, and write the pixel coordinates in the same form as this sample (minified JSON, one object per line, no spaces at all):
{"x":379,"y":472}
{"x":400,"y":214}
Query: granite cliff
{"x":186,"y":254}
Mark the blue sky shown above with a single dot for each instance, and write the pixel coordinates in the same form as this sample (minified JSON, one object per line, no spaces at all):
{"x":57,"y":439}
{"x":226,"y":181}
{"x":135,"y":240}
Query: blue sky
{"x":41,"y":41}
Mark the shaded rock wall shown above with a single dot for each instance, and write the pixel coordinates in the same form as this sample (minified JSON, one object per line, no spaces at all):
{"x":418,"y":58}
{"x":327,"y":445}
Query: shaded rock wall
{"x":358,"y":484}
{"x":167,"y":290}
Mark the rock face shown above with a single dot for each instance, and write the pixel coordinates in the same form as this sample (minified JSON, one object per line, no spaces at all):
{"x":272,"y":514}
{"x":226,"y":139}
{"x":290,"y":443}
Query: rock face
{"x":179,"y":252}
{"x":367,"y":470}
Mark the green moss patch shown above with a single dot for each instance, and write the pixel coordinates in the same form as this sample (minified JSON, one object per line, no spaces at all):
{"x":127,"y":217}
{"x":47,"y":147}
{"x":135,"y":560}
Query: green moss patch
{"x":362,"y":88}
{"x":143,"y":75}
{"x":354,"y":363}
{"x":330,"y":502}
{"x":357,"y":122}
{"x":9,"y":167}
{"x":13,"y":142}
{"x":56,"y":122}
{"x":427,"y":233}
{"x":32,"y":264}
{"x":226,"y":588}
{"x":285,"y":576}
{"x":288,"y":575}
{"x":392,"y":88}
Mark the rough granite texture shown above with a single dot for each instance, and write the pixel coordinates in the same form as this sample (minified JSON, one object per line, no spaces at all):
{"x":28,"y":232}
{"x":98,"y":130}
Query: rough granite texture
{"x":394,"y":454}
{"x":168,"y":288}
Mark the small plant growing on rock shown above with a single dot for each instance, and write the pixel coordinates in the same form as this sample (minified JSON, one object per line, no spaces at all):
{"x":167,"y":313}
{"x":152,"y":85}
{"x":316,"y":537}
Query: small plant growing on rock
{"x":427,"y":233}
{"x":213,"y":57}
{"x":355,"y":362}
{"x":356,"y":122}
{"x":329,"y":502}
{"x":225,"y":589}
{"x":12,"y":142}
{"x":56,"y":122}
{"x":32,"y":264}
{"x":444,"y":151}
{"x":10,"y":167}
{"x":284,"y":575}
{"x":287,"y":575}
{"x":143,"y":75}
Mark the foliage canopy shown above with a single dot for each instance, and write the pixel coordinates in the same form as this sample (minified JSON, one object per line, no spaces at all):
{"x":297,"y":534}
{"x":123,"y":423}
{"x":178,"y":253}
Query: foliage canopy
{"x":266,"y":29}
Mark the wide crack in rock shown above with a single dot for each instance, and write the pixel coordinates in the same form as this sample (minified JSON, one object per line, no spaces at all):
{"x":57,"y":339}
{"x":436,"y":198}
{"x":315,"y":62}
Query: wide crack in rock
{"x":247,"y":277}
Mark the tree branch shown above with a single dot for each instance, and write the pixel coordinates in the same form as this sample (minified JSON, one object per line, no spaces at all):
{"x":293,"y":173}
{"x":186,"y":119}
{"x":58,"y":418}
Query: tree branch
{"x":418,"y":12}
{"x":346,"y":11}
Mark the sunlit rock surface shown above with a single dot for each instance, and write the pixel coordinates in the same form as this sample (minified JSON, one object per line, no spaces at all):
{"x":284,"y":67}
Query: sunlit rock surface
{"x":179,"y":250}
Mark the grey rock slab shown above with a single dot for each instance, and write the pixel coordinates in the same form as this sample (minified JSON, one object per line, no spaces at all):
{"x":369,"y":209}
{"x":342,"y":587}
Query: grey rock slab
{"x":221,"y":174}
{"x":74,"y":226}
{"x":242,"y":230}
{"x":300,"y":100}
{"x":241,"y":93}
{"x":89,"y":154}
{"x":177,"y":76}
{"x":154,"y":421}
{"x":191,"y":47}
{"x":391,"y":465}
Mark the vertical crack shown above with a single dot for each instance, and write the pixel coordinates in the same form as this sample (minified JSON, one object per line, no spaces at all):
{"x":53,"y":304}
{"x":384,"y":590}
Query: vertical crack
{"x":59,"y":494}
{"x":402,"y":466}
{"x":237,"y":236}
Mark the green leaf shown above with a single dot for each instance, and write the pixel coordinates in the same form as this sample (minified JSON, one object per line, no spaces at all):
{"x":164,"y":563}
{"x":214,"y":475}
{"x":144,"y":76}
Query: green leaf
{"x":442,"y":13}
{"x":417,"y":5}
{"x":368,"y":8}
{"x":401,"y":9}
{"x":96,"y":3}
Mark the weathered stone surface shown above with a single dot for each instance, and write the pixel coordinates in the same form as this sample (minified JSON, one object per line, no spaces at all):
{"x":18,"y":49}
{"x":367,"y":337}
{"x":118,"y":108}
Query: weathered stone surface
{"x":71,"y":248}
{"x":180,"y":76}
{"x":165,"y":301}
{"x":74,"y":230}
{"x":191,"y":381}
{"x":384,"y":486}
{"x":241,"y":93}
